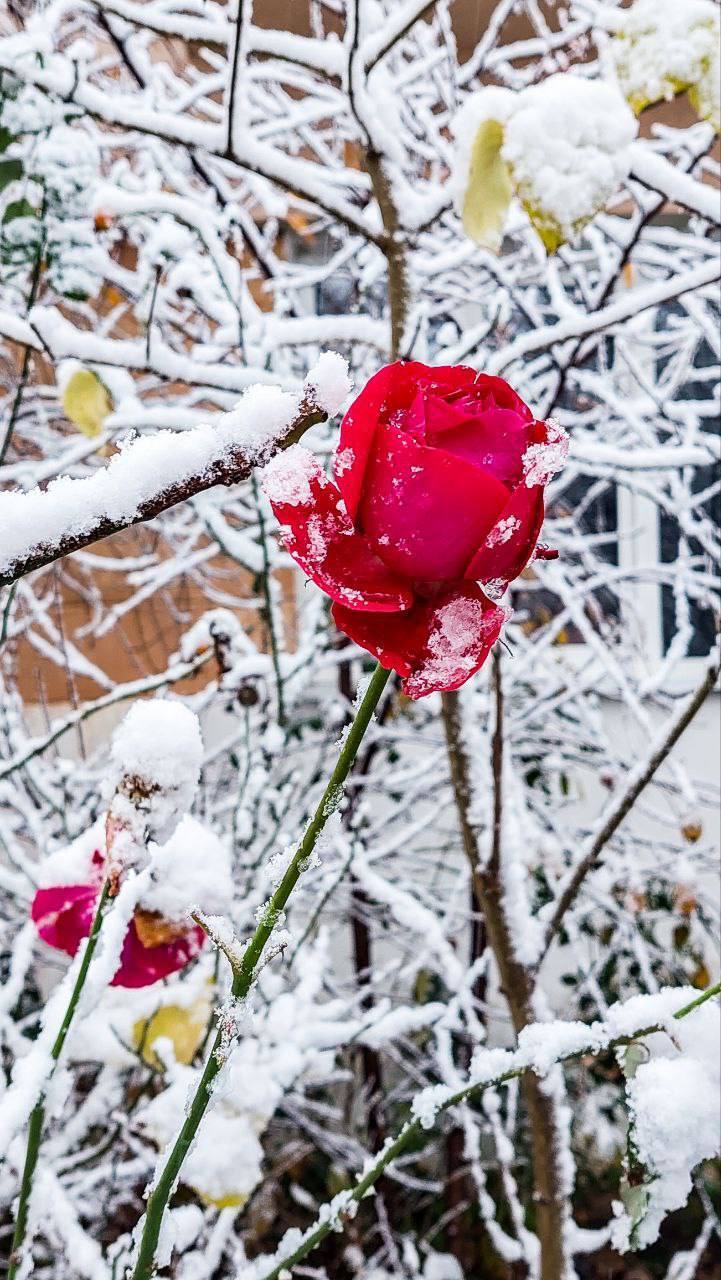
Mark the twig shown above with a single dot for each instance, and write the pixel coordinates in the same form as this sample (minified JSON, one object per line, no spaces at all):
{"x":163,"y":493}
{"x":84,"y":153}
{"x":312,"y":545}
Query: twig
{"x":497,"y":768}
{"x":233,"y":84}
{"x":395,"y":36}
{"x":27,"y":355}
{"x":638,"y":782}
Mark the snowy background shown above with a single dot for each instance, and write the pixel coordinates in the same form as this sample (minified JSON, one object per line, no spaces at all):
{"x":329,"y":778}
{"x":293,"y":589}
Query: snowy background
{"x":198,"y":199}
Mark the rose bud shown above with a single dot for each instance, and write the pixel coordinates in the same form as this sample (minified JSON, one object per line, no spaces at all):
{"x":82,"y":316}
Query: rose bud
{"x":440,"y":477}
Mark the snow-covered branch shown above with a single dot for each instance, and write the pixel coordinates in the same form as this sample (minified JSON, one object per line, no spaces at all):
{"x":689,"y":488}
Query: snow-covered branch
{"x":149,"y":476}
{"x":542,"y":1048}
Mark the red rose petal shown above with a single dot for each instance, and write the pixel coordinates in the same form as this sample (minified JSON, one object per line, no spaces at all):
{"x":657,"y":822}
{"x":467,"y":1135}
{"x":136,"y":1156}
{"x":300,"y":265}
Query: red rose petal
{"x":425,"y":511}
{"x":357,"y":436}
{"x":319,"y":535}
{"x":140,"y":966}
{"x":63,"y":914}
{"x":485,"y":434}
{"x":511,"y":542}
{"x":393,"y":395}
{"x":437,"y":645}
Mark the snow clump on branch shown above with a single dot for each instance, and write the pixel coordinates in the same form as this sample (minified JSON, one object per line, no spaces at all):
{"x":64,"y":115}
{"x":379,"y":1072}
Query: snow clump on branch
{"x":562,"y":147}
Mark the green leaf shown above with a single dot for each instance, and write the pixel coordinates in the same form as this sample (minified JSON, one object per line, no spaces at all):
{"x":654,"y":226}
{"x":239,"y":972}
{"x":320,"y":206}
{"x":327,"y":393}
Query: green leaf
{"x":18,"y":209}
{"x":10,"y":171}
{"x":489,"y":190}
{"x":634,"y":1057}
{"x":635,"y":1201}
{"x":6,"y":137}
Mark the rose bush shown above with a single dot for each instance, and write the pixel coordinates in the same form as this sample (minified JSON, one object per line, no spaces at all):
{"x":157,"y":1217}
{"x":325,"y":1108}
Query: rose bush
{"x":437,"y":506}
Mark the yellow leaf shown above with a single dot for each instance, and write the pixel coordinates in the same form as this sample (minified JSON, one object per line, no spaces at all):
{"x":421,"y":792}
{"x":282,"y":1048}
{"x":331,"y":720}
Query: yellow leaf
{"x":489,"y":189}
{"x":232,"y":1201}
{"x":86,"y":402}
{"x":704,"y":95}
{"x":546,"y":226}
{"x":185,"y":1028}
{"x":701,"y":978}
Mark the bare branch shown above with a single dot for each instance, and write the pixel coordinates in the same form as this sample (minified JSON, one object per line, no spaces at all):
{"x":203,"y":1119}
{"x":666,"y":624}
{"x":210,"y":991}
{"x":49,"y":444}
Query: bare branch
{"x":638,"y":782}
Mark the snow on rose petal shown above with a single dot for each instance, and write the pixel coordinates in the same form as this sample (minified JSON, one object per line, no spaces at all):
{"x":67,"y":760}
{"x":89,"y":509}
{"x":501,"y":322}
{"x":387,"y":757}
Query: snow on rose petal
{"x":440,"y":474}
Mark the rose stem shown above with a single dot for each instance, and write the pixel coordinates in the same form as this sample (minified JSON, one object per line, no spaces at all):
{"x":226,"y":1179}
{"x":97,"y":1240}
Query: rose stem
{"x":37,"y":1115}
{"x":245,"y":973}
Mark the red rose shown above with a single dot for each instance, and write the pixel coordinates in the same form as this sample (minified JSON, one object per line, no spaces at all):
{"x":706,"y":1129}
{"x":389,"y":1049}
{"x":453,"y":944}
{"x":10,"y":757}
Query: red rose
{"x":64,"y":914}
{"x":439,"y":487}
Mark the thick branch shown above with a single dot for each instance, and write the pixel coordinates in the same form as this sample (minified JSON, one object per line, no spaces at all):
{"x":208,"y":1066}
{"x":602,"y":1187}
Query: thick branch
{"x":149,"y":477}
{"x":393,"y":249}
{"x":516,"y":979}
{"x":638,"y":781}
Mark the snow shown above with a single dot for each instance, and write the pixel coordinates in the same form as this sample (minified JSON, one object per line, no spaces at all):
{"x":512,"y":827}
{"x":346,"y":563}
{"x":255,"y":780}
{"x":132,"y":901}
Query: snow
{"x":192,"y":868}
{"x":247,"y":246}
{"x":225,"y":1162}
{"x":161,"y":1017}
{"x":442,"y":1266}
{"x":674,"y":1103}
{"x":159,"y":741}
{"x":282,"y":1045}
{"x":562,"y":146}
{"x":181,"y":1227}
{"x":656,"y":172}
{"x":288,"y":476}
{"x":567,"y":144}
{"x":331,"y":382}
{"x":427,"y":1104}
{"x":661,"y":47}
{"x":73,"y":863}
{"x":458,"y":628}
{"x":541,"y":462}
{"x":156,"y":754}
{"x":503,"y":531}
{"x":399,"y":1022}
